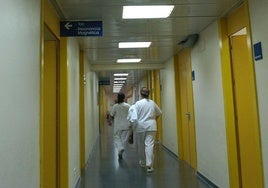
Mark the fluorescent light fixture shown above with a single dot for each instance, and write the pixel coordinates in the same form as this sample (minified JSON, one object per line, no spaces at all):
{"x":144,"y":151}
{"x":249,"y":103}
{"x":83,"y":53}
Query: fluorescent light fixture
{"x":118,"y":85}
{"x":139,"y":12}
{"x":120,"y":78}
{"x":119,"y":82}
{"x":121,"y":74}
{"x":128,"y":60}
{"x":116,"y":91}
{"x":134,"y":44}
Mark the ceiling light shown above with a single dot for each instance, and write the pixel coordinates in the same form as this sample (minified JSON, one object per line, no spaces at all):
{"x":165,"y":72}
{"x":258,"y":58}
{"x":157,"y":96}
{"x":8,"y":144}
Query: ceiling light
{"x":116,"y":90}
{"x":120,"y":78}
{"x":118,"y":85}
{"x":134,"y":44}
{"x":119,"y":82}
{"x":121,"y":74}
{"x":128,"y":60}
{"x":138,"y":12}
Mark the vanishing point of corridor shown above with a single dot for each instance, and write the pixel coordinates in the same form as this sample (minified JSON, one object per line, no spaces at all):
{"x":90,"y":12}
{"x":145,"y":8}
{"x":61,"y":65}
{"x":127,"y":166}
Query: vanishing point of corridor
{"x":104,"y":170}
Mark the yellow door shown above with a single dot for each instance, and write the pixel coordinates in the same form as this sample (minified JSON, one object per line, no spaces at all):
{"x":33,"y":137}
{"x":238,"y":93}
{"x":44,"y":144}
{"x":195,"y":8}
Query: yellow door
{"x":246,"y":114}
{"x":49,"y":115}
{"x":155,"y":96}
{"x":241,"y":108}
{"x":82,"y":110}
{"x":187,"y":126}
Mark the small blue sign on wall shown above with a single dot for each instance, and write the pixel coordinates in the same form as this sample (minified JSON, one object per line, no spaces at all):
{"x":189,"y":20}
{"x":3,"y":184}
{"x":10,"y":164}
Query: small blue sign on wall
{"x":104,"y":81}
{"x":257,"y":51}
{"x":193,"y":75}
{"x":80,"y":28}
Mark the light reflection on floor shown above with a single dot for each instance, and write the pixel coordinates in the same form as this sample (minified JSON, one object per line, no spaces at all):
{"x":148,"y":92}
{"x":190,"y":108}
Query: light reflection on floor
{"x":104,"y":170}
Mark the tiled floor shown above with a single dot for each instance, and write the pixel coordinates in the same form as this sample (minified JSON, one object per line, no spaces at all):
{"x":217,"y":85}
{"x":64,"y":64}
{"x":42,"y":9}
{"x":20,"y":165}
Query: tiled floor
{"x":105,"y":171}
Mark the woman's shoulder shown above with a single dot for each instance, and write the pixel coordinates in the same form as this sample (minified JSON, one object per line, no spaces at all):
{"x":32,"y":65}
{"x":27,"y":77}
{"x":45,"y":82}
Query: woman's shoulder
{"x":125,"y":104}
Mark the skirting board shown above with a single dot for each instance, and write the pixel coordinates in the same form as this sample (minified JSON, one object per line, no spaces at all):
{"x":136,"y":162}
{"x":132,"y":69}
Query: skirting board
{"x":78,"y":183}
{"x":206,"y":180}
{"x":198,"y":174}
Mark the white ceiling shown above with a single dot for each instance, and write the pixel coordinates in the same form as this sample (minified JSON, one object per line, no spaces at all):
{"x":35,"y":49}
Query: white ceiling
{"x":188,"y":17}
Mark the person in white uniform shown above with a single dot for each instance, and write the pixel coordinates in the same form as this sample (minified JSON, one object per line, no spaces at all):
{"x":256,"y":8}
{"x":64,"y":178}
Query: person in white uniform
{"x":147,"y":111}
{"x":121,"y":125}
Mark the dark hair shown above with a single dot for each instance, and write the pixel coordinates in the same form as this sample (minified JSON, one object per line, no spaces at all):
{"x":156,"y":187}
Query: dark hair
{"x":145,"y":92}
{"x":120,"y":97}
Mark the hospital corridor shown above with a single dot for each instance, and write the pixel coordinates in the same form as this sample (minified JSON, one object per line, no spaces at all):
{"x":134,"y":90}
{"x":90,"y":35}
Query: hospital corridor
{"x":197,"y":69}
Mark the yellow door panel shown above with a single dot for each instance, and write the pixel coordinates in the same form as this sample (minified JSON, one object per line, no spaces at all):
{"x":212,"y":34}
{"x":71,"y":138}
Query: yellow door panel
{"x":49,"y":162}
{"x":246,"y":115}
{"x":241,"y":109}
{"x":187,"y":111}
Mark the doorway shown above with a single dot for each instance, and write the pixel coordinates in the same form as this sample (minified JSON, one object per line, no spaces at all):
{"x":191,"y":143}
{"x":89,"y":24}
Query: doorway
{"x":246,"y":117}
{"x":241,"y":108}
{"x":49,"y":109}
{"x":186,"y":127}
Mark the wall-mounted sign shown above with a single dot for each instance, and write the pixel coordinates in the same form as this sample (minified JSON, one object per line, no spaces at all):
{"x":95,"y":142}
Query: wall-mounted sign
{"x":80,"y":28}
{"x":193,"y":75}
{"x":104,"y":81}
{"x":257,"y":51}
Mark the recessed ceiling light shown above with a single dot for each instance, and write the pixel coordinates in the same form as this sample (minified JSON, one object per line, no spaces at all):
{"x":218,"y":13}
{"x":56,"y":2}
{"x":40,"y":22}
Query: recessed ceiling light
{"x":117,"y":87}
{"x":120,"y":78}
{"x":119,"y":82}
{"x":139,"y":12}
{"x":128,"y":60}
{"x":116,"y":90}
{"x":134,"y":44}
{"x":121,"y":74}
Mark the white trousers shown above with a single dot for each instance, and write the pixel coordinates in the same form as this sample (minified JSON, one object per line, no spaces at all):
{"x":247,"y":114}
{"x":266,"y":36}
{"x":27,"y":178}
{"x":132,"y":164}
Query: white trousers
{"x":120,"y":138}
{"x":145,"y":143}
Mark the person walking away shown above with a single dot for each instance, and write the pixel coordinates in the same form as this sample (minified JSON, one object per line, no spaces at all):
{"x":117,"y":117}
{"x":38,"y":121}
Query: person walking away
{"x":147,"y":111}
{"x":121,"y":125}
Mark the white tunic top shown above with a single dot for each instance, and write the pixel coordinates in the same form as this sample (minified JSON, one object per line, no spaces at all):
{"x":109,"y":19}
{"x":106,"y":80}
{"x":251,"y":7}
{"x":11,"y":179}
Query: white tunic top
{"x":132,"y":114}
{"x":147,"y":111}
{"x":120,"y":112}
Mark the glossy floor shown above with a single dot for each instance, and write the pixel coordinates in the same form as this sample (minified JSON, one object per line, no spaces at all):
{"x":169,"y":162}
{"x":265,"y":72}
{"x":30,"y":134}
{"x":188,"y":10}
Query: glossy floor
{"x":104,"y":170}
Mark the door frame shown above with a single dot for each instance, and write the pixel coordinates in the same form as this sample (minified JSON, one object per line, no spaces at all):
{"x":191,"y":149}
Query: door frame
{"x":49,"y":111}
{"x":82,"y":83}
{"x":50,"y":18}
{"x":155,"y":92}
{"x":229,"y":25}
{"x":192,"y":132}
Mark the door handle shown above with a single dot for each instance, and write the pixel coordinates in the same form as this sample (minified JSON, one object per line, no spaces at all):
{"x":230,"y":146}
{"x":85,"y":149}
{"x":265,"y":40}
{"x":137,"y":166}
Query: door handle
{"x":188,"y":114}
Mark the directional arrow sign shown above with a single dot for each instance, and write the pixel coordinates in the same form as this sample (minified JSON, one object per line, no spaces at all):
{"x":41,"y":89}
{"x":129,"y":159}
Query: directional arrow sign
{"x":68,"y":26}
{"x":80,"y":28}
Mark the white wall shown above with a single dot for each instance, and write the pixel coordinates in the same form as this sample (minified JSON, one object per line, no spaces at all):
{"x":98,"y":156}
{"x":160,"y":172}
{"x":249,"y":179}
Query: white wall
{"x":73,"y":100}
{"x":209,"y":108}
{"x":169,"y":122}
{"x":19,"y":95}
{"x":259,"y":27}
{"x":91,"y":111}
